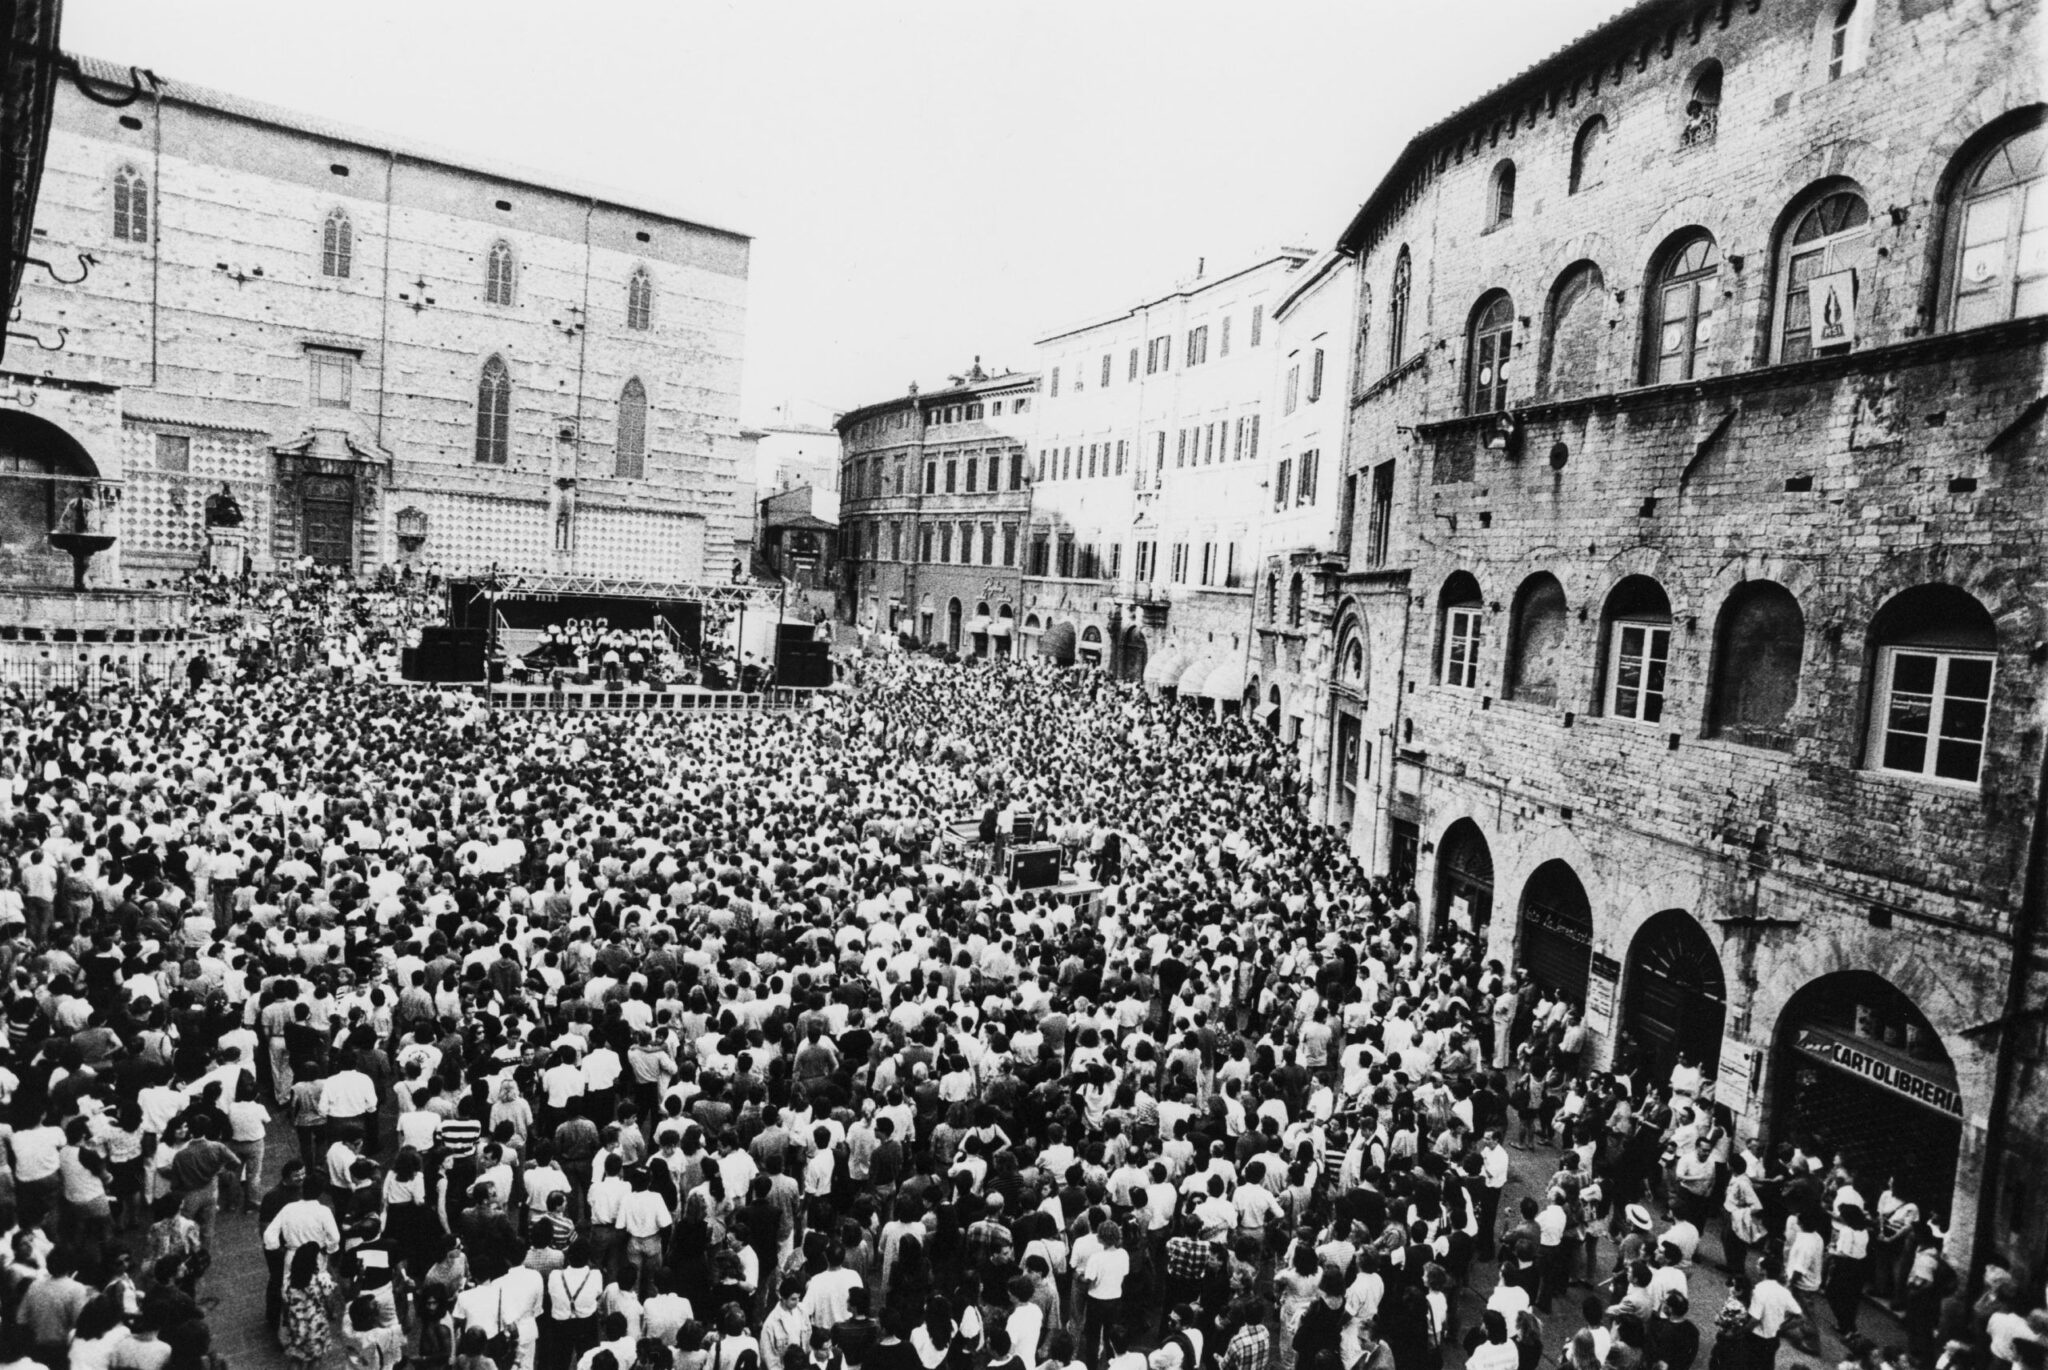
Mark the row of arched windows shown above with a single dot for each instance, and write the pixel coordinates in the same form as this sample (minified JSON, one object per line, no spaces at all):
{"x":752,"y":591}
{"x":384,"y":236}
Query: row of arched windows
{"x":1933,"y":652}
{"x":131,"y":206}
{"x":1993,"y":267}
{"x":1296,"y":597}
{"x":1841,"y":41}
{"x":494,"y":422}
{"x":1995,"y":264}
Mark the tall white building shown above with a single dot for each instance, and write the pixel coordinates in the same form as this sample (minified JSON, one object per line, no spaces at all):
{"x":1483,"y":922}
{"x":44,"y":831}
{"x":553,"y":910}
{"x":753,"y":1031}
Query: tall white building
{"x":1148,"y":465}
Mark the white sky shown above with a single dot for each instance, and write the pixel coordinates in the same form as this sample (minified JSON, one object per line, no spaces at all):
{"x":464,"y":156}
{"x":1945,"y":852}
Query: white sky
{"x":924,"y":180}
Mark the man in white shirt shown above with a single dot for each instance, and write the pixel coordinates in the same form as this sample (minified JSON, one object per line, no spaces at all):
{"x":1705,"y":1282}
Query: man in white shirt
{"x":348,"y":1101}
{"x":1770,"y":1303}
{"x":643,"y":1218}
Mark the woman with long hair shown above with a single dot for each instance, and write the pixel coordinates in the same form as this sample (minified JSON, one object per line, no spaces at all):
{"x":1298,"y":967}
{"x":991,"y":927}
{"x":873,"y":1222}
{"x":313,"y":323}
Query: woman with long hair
{"x":306,"y":1331}
{"x":1297,"y":1287}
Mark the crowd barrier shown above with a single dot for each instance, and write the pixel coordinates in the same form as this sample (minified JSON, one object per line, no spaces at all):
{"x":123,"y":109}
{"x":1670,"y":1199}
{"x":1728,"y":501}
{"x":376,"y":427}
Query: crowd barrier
{"x":680,"y":699}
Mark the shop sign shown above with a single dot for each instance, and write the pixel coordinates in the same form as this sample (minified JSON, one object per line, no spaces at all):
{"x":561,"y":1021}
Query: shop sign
{"x":1880,"y":1067}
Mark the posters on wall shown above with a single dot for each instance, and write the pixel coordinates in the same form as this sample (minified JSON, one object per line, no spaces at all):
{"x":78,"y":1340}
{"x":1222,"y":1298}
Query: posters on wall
{"x":1740,"y":1075}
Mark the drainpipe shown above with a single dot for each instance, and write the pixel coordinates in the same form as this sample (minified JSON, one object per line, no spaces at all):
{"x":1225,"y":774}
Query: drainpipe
{"x":2011,"y":1025}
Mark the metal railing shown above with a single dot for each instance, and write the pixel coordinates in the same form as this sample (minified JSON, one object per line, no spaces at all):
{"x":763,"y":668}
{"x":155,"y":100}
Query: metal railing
{"x":36,"y":677}
{"x":636,"y":699}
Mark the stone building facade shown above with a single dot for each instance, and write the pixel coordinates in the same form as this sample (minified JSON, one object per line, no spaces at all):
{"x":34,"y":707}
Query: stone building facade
{"x":1307,"y":518}
{"x":1150,"y":466}
{"x":1702,"y":376}
{"x":933,"y":498}
{"x":384,"y":353}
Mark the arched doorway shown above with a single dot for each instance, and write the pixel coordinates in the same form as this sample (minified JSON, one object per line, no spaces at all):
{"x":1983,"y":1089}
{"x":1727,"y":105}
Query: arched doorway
{"x":953,"y":625}
{"x":1860,"y":1073}
{"x":1557,"y":931}
{"x":1464,"y":879}
{"x":978,"y":629}
{"x":1136,"y":655}
{"x":1004,"y":625}
{"x":1090,"y":650}
{"x":1270,"y":715}
{"x":1058,"y":644}
{"x":1677,"y":999}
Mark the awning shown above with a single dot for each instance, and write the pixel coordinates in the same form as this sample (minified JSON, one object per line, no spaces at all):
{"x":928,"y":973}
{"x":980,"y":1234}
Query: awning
{"x":1190,"y":682}
{"x":1226,"y":681}
{"x":999,"y":627}
{"x":1268,"y":714}
{"x":977,"y":624}
{"x":1165,"y":668}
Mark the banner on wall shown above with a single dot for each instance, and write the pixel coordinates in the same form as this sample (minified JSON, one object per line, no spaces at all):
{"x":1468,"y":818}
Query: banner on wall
{"x":1833,"y":298}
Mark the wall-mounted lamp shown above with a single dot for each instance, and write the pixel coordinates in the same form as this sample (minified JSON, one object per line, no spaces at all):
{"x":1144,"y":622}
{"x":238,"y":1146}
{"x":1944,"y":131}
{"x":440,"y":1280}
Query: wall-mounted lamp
{"x":1898,"y":214}
{"x":1735,"y":260}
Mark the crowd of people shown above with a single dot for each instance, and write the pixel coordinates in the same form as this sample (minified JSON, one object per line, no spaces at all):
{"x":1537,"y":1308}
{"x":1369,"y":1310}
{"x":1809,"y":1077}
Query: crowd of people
{"x":309,"y":616}
{"x":694,"y":1042}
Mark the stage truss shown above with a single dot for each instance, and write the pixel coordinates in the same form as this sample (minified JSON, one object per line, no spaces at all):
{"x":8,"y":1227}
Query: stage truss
{"x":535,"y":585}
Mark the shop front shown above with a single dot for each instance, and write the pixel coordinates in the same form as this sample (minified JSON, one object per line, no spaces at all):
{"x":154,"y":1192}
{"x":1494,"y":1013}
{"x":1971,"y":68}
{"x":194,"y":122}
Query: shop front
{"x":1862,"y":1076}
{"x":1464,"y":880}
{"x":1557,"y":931}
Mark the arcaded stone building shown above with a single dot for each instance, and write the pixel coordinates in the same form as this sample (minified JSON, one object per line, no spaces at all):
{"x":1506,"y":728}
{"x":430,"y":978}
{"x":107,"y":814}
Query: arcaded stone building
{"x":933,"y":499}
{"x":386,"y":353}
{"x":1701,"y":379}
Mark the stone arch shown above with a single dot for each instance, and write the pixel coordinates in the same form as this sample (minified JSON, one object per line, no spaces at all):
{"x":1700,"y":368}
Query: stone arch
{"x":1441,"y":822}
{"x":1352,"y":633}
{"x":28,"y":435}
{"x":1936,"y":261}
{"x":1980,"y":574}
{"x":1644,"y":561}
{"x":1806,"y":973}
{"x":1705,"y":212}
{"x":1569,"y":570}
{"x":1672,"y":1001}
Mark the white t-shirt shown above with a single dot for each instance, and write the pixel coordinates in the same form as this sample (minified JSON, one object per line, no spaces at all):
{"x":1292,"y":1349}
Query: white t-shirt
{"x":1105,"y":1272}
